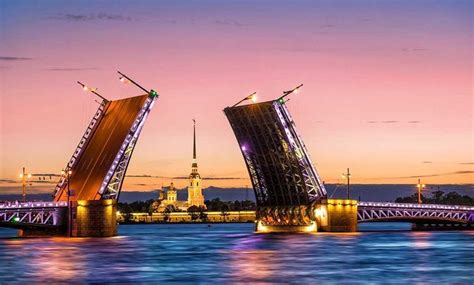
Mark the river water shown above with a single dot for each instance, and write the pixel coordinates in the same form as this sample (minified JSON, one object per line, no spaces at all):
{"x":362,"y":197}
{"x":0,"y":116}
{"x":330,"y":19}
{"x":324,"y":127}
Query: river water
{"x":233,"y":253}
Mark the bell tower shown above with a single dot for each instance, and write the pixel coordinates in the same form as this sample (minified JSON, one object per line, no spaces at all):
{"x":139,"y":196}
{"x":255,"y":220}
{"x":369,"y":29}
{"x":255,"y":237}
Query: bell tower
{"x":195,"y":197}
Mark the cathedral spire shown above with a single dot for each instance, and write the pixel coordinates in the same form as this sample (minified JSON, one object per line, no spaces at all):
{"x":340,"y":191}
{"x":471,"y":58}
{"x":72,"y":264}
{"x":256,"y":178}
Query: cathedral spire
{"x":194,"y":166}
{"x":194,"y":141}
{"x":195,"y":197}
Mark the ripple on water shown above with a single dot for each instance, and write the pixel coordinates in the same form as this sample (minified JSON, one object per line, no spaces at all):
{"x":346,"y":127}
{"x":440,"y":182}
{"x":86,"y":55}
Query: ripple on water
{"x":233,"y":253}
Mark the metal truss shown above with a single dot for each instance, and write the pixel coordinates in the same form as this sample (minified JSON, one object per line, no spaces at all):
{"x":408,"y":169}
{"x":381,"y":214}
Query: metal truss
{"x":33,"y":214}
{"x":259,"y":184}
{"x":277,"y":161}
{"x":80,"y":147}
{"x":112,"y":183}
{"x":316,"y":188}
{"x":375,"y":211}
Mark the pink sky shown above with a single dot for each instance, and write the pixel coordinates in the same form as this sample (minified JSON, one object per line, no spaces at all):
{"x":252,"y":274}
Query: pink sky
{"x":387,"y":86}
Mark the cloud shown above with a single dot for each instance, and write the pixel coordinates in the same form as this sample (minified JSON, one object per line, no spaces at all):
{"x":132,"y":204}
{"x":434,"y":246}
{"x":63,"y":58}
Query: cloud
{"x":434,"y":175}
{"x":224,"y":178}
{"x":467,"y":163}
{"x":229,"y":23}
{"x":393,"y":122}
{"x":46,"y":174}
{"x":383,"y":122}
{"x":183,"y":177}
{"x":48,"y":181}
{"x":44,"y":181}
{"x":414,"y":49}
{"x":210,"y":178}
{"x":147,"y":176}
{"x":91,"y":17}
{"x":71,"y":68}
{"x":427,"y":162}
{"x":14,"y":58}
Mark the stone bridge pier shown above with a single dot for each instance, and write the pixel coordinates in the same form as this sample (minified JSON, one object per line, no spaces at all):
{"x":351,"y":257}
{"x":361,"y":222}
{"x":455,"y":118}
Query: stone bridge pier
{"x":85,"y":218}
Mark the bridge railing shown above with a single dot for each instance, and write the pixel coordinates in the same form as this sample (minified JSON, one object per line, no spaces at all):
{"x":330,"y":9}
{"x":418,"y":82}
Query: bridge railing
{"x":415,"y":206}
{"x":410,"y":212}
{"x":27,"y":205}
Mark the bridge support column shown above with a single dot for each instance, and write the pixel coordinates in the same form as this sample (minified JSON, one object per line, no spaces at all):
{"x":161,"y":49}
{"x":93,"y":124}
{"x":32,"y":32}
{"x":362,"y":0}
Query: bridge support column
{"x":94,"y":218}
{"x":261,"y":228}
{"x":336,"y":215}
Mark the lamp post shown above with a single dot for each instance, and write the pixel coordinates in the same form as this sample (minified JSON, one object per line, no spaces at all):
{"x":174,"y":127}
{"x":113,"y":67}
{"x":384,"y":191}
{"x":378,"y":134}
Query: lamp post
{"x":252,"y":97}
{"x":68,"y":176}
{"x":420,"y":187}
{"x":24,"y":181}
{"x":93,"y":91}
{"x":286,"y":93}
{"x":348,"y":177}
{"x":124,"y":79}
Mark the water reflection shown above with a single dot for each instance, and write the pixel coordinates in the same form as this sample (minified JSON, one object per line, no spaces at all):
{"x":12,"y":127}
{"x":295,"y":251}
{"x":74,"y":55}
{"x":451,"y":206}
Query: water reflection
{"x":235,"y":254}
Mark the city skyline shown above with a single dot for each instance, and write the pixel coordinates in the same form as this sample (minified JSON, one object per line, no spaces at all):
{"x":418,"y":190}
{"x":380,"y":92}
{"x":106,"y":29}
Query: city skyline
{"x":383,"y":94}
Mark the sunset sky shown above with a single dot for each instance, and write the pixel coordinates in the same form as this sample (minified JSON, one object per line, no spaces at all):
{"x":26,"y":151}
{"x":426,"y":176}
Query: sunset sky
{"x":387,"y":84}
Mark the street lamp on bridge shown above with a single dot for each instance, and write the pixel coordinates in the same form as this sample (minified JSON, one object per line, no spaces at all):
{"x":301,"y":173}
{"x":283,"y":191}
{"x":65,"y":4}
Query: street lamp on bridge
{"x":252,"y":97}
{"x":286,"y":93}
{"x":92,"y":90}
{"x":348,"y":177}
{"x":420,"y":188}
{"x":125,"y":79}
{"x":24,"y":182}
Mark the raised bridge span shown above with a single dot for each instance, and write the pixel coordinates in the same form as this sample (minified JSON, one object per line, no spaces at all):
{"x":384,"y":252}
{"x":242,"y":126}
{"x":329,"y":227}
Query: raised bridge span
{"x":99,"y":163}
{"x":290,"y":194}
{"x":91,"y":182}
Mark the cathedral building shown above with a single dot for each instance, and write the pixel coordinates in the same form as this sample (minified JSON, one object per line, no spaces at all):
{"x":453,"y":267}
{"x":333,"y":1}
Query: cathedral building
{"x":169,"y":199}
{"x":195,"y":197}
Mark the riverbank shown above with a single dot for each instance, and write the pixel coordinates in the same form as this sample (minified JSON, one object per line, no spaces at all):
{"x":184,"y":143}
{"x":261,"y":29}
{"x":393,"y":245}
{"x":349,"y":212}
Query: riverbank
{"x":186,"y":217}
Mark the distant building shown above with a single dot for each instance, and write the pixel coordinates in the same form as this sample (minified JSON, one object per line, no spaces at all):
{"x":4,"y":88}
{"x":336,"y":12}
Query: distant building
{"x":169,"y":199}
{"x":171,"y":195}
{"x":195,"y":197}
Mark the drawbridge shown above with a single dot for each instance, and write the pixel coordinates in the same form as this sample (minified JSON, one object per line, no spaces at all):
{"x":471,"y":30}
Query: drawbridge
{"x":96,"y":170}
{"x":289,"y":193}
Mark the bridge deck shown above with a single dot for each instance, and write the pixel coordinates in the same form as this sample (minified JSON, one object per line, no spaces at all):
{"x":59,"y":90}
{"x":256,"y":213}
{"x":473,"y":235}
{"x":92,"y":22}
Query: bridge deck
{"x":99,"y":153}
{"x":387,"y":211}
{"x":32,"y":214}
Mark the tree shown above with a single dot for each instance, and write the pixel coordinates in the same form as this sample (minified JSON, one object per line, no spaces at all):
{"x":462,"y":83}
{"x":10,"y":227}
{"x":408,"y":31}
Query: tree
{"x":225,"y":211}
{"x":170,"y":208}
{"x":438,"y":196}
{"x":126,"y":211}
{"x":167,"y":213}
{"x":193,"y":211}
{"x":202,"y":214}
{"x":150,"y":211}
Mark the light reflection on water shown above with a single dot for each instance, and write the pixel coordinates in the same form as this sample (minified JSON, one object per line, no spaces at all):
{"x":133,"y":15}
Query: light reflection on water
{"x":232,"y":253}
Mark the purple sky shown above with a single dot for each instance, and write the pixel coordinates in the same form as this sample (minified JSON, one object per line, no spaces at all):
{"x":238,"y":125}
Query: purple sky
{"x":387,"y":84}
